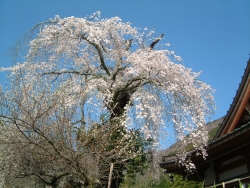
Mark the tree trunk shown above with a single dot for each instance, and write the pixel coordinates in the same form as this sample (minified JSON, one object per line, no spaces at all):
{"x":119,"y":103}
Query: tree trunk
{"x":110,"y":174}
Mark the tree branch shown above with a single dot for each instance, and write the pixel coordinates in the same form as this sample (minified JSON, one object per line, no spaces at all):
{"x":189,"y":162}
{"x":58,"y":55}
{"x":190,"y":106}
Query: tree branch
{"x":117,"y":71}
{"x":99,"y":53}
{"x":131,"y":82}
{"x":156,"y":41}
{"x":29,"y":33}
{"x":67,"y":72}
{"x":128,"y":44}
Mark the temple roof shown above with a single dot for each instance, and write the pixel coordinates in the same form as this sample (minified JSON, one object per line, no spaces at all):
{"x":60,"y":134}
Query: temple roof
{"x":240,"y":104}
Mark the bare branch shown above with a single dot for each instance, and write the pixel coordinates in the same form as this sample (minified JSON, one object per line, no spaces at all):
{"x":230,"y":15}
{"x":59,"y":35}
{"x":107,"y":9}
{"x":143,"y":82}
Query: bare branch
{"x":156,"y":41}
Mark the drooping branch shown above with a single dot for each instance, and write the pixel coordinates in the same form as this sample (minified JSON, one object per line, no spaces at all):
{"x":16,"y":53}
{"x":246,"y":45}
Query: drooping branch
{"x":53,"y":146}
{"x":156,"y":41}
{"x":23,"y":132}
{"x":40,"y":133}
{"x":28,"y":36}
{"x":53,"y":179}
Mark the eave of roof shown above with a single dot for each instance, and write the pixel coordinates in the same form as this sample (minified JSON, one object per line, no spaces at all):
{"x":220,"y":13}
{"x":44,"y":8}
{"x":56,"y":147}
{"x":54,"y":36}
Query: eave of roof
{"x":236,"y":100}
{"x":170,"y":162}
{"x":227,"y":137}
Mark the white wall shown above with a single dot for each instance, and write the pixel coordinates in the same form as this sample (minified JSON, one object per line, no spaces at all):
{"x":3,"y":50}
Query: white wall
{"x":233,"y":172}
{"x":209,"y":176}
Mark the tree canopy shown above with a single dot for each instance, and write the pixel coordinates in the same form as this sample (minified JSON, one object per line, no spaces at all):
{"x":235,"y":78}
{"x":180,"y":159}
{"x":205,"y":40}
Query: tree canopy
{"x":74,"y":70}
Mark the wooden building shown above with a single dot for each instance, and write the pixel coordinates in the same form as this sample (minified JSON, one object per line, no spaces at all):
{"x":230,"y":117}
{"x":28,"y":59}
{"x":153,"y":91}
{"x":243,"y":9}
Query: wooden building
{"x":228,"y":159}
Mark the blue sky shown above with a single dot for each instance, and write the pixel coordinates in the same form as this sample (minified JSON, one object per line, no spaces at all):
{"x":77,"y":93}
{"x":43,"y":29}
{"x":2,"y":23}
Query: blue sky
{"x":211,"y":36}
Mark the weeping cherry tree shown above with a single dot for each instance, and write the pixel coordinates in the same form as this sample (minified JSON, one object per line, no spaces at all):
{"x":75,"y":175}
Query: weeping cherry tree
{"x":75,"y":72}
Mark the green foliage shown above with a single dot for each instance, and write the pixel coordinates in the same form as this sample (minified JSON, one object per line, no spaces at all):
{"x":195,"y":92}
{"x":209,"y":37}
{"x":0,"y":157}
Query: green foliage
{"x":164,"y":182}
{"x":212,"y":133}
{"x":178,"y":182}
{"x":214,"y":186}
{"x":241,"y":186}
{"x":190,"y":146}
{"x":114,"y":143}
